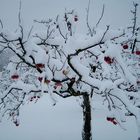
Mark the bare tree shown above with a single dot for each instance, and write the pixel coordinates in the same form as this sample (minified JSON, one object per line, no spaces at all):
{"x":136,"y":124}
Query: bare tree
{"x":57,"y":62}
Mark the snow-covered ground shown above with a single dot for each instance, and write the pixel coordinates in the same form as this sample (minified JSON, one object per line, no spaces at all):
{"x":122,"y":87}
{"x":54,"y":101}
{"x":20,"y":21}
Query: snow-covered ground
{"x":42,"y":121}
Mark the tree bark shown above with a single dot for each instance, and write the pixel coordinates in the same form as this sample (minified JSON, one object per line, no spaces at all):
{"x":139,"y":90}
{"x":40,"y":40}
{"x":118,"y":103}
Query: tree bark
{"x":86,"y":133}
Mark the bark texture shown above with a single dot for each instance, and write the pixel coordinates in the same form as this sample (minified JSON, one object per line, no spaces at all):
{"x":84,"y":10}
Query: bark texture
{"x":86,"y":133}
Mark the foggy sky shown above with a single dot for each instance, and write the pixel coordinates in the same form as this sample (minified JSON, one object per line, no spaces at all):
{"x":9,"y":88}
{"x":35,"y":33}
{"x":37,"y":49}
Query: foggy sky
{"x":117,"y":12}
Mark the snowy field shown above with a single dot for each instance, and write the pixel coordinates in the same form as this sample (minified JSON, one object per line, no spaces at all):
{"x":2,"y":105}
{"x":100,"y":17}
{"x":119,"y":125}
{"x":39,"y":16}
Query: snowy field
{"x":42,"y":121}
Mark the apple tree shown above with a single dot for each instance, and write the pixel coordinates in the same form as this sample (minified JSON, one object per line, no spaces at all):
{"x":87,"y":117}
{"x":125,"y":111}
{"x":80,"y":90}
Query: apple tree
{"x":57,"y":60}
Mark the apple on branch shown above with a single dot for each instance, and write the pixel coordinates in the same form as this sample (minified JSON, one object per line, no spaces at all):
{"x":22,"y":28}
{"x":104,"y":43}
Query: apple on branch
{"x":125,"y":46}
{"x":40,"y":65}
{"x":112,"y":119}
{"x":108,"y":60}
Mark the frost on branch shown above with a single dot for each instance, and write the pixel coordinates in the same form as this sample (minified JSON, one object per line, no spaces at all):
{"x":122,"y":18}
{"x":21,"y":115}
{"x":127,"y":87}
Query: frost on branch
{"x":62,"y":62}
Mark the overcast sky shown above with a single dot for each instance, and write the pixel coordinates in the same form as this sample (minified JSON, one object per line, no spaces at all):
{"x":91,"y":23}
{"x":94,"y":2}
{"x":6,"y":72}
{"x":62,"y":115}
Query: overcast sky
{"x":117,"y":12}
{"x":42,"y":121}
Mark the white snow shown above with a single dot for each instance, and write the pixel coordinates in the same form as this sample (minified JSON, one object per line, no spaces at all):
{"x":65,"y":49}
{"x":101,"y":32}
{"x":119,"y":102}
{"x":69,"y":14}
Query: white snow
{"x":64,"y":121}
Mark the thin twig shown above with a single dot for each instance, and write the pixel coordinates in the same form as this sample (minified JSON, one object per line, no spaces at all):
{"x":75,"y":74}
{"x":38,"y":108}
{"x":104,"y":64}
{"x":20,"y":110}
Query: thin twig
{"x":1,"y":23}
{"x":19,"y":14}
{"x":105,"y":33}
{"x":87,"y":19}
{"x":30,"y":32}
{"x":101,"y":15}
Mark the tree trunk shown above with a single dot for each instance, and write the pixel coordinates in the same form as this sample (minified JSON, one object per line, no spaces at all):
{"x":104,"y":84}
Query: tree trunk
{"x":86,"y":133}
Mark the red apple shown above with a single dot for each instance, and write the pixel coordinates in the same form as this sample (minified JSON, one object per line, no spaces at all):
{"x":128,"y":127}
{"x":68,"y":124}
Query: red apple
{"x":15,"y":76}
{"x":108,"y":60}
{"x":125,"y":46}
{"x":112,"y":120}
{"x":137,"y":52}
{"x":40,"y":65}
{"x":109,"y":119}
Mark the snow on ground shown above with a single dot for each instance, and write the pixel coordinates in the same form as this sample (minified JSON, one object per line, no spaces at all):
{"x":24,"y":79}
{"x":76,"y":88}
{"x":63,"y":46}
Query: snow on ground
{"x":42,"y":121}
